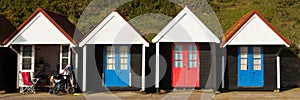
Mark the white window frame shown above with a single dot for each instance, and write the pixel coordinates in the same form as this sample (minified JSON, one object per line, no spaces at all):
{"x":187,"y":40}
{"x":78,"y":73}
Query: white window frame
{"x":121,"y":58}
{"x":32,"y":59}
{"x":192,"y":56}
{"x":244,"y":58}
{"x":61,"y":57}
{"x":178,"y":60}
{"x":113,"y":54}
{"x":257,"y":59}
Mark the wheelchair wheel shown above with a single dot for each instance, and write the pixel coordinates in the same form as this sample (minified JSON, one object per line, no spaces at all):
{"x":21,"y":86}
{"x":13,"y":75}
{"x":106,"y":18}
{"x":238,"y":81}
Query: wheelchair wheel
{"x":55,"y":90}
{"x":70,"y":90}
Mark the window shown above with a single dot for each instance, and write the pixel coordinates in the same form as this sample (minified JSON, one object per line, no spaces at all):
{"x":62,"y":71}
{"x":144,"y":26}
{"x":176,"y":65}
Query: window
{"x":110,"y":57}
{"x":178,"y":56}
{"x":193,"y":56}
{"x":27,"y":63}
{"x":65,"y":56}
{"x":123,"y":51}
{"x":244,"y":58}
{"x":256,"y":58}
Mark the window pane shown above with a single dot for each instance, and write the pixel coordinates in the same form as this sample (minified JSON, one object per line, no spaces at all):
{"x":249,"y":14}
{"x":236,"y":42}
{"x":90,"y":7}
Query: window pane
{"x":244,"y":67}
{"x":64,"y":63}
{"x":244,"y":55}
{"x":244,"y":58}
{"x":195,"y":64}
{"x":180,"y":64}
{"x":256,"y":52}
{"x":175,"y":64}
{"x":257,"y":49}
{"x":110,"y":57}
{"x":27,"y":51}
{"x":176,"y":48}
{"x":190,"y":64}
{"x":244,"y":48}
{"x":65,"y":51}
{"x":190,"y":56}
{"x":123,"y":67}
{"x":195,"y":56}
{"x":244,"y":52}
{"x":26,"y":66}
{"x":180,"y":48}
{"x":26,"y":60}
{"x":123,"y":54}
{"x":257,"y":61}
{"x":110,"y":67}
{"x":190,"y":48}
{"x":123,"y":51}
{"x":175,"y":56}
{"x":124,"y":61}
{"x":26,"y":63}
{"x":123,"y":48}
{"x":256,"y":55}
{"x":180,"y":56}
{"x":65,"y":60}
{"x":110,"y":48}
{"x":257,"y":67}
{"x":244,"y":61}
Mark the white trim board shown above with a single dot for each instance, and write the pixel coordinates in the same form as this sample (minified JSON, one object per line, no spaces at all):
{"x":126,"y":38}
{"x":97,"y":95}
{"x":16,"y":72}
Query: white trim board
{"x":255,"y":32}
{"x":39,"y":30}
{"x":186,"y":27}
{"x":114,"y":29}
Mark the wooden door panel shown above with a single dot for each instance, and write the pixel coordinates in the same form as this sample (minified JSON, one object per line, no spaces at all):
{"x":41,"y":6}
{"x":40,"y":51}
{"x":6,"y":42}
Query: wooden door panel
{"x":185,"y":74}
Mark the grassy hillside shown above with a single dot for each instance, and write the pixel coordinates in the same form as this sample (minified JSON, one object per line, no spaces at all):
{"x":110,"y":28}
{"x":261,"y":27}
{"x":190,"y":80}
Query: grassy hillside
{"x":282,"y":14}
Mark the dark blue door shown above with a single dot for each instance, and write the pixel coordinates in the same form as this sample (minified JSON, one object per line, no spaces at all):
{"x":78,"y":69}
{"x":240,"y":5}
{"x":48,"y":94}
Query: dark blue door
{"x":250,"y":67}
{"x":117,"y":66}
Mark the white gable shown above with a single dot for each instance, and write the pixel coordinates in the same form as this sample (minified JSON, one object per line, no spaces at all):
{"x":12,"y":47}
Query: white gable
{"x":186,"y":27}
{"x":114,"y":29}
{"x":39,"y":31}
{"x":256,"y":32}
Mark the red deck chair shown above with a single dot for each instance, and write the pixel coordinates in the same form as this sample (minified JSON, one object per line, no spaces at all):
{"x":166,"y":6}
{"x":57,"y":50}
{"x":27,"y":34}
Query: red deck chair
{"x":28,"y":84}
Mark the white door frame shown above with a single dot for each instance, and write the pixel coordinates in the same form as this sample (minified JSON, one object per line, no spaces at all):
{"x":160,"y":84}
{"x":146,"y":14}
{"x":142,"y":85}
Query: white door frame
{"x":20,"y":62}
{"x":61,"y":57}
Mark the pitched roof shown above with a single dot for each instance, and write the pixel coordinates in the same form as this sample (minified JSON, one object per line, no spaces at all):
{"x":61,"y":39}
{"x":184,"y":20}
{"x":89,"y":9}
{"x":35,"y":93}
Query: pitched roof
{"x":6,"y":28}
{"x":188,"y":23}
{"x":242,"y":21}
{"x":108,"y":31}
{"x":59,"y":21}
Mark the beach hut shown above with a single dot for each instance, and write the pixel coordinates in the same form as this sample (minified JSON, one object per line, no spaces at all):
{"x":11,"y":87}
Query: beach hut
{"x":8,"y":59}
{"x":42,"y":44}
{"x":113,"y":56}
{"x":184,"y":53}
{"x":253,"y":61}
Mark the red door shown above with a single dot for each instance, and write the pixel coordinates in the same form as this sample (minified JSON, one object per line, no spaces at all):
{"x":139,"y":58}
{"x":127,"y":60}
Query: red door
{"x":185,"y":65}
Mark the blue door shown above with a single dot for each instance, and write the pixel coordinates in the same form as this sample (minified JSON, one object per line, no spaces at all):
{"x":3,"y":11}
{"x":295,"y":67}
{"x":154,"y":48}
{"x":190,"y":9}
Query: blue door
{"x":117,"y":66}
{"x":250,"y":66}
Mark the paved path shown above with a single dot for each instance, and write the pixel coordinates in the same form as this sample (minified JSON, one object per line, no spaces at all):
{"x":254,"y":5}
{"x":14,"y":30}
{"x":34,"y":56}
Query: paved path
{"x":293,"y":94}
